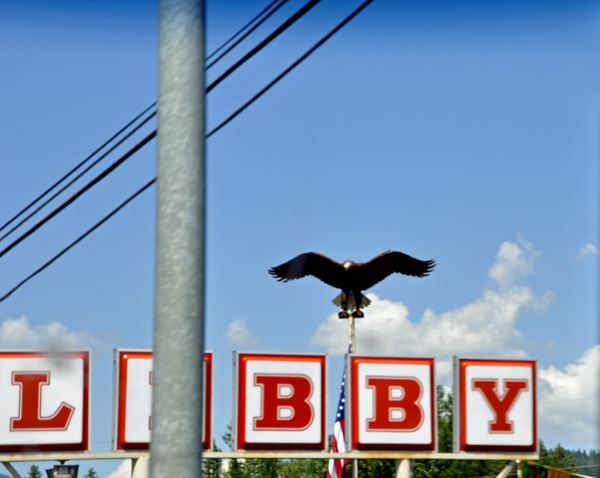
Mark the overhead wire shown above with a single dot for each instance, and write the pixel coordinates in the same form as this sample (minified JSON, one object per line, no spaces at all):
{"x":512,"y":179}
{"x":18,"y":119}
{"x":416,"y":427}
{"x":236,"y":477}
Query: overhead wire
{"x":145,"y":141}
{"x":245,"y":35}
{"x":124,"y":128}
{"x":291,"y":67}
{"x":255,"y":50}
{"x":89,"y":185}
{"x":80,"y":238}
{"x":230,"y":39}
{"x":70,"y":183}
{"x":36,"y":200}
{"x":284,"y":26}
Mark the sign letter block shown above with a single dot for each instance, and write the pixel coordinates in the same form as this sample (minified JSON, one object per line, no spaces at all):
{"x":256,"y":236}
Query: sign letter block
{"x":45,"y":401}
{"x":133,"y":400}
{"x":496,"y":405}
{"x":392,"y":404}
{"x":279,"y":402}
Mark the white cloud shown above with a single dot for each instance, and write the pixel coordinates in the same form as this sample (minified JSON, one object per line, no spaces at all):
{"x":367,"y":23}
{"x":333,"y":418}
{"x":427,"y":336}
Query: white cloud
{"x":514,"y":262}
{"x":569,"y":401}
{"x":237,"y":333}
{"x":586,"y":250}
{"x":483,"y":328}
{"x":19,"y":334}
{"x":123,"y":471}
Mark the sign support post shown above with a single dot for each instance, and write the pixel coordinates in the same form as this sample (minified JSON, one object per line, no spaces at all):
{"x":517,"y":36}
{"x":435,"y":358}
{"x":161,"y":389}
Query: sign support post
{"x":403,"y":467}
{"x":176,"y":444}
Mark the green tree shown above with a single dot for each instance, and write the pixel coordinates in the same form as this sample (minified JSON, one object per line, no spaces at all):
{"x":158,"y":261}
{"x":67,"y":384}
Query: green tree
{"x":379,"y":468}
{"x":211,"y":466}
{"x":303,"y":468}
{"x":91,"y":473}
{"x":34,"y":472}
{"x":557,"y":458}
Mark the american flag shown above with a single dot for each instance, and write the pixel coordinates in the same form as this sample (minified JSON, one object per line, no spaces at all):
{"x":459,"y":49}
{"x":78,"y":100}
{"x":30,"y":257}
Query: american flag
{"x":336,"y":467}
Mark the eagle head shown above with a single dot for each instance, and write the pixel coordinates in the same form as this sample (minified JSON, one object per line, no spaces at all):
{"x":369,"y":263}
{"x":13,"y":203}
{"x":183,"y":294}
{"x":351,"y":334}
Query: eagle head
{"x":348,"y":265}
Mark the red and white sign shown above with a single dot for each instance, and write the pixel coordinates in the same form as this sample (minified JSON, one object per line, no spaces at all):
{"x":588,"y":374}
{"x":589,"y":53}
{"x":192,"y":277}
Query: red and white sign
{"x":279,"y":401}
{"x":45,"y":401}
{"x":133,"y":400}
{"x":495,"y":405}
{"x":392,"y":404}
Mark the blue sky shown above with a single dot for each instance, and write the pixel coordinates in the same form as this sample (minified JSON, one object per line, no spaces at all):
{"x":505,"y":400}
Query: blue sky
{"x":459,"y":131}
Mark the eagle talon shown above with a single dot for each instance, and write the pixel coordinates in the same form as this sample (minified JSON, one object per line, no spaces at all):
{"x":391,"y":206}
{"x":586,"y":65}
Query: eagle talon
{"x":358,"y":314}
{"x":343,"y":315}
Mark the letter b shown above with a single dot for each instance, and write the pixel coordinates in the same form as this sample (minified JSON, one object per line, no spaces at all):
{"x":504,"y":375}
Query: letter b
{"x":395,"y":404}
{"x":285,"y":402}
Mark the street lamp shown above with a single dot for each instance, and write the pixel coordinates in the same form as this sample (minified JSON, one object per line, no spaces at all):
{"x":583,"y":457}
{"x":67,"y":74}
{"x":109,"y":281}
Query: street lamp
{"x":63,"y":471}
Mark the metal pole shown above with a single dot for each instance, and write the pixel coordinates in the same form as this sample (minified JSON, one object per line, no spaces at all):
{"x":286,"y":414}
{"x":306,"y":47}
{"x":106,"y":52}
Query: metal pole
{"x":11,"y":469}
{"x":140,"y":467}
{"x":351,"y":336}
{"x":404,"y":468}
{"x":176,"y":445}
{"x":507,"y":470}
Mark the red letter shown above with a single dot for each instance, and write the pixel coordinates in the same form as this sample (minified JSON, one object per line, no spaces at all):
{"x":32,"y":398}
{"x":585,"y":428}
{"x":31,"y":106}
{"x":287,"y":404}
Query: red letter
{"x":30,"y":404}
{"x":500,"y":407}
{"x":284,"y":411}
{"x":411,"y":413}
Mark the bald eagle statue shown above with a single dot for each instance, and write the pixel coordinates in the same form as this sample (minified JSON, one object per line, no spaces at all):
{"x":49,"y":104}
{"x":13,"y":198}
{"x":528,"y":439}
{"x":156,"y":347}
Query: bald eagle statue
{"x":352,"y":278}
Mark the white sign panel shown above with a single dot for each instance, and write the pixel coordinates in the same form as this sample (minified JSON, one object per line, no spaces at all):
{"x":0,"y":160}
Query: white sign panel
{"x":392,"y":404}
{"x":496,"y":404}
{"x":279,"y":402}
{"x":45,"y":401}
{"x":133,"y":400}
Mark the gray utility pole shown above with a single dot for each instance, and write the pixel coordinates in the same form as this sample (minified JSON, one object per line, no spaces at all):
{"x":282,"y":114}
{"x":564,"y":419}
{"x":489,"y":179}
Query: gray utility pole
{"x":176,"y":445}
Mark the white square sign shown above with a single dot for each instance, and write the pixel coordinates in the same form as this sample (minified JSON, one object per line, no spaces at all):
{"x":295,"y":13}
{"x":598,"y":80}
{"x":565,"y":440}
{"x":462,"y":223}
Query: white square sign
{"x":496,"y":405}
{"x":45,"y":401}
{"x":133,"y":400}
{"x":392,"y":403}
{"x":279,"y":402}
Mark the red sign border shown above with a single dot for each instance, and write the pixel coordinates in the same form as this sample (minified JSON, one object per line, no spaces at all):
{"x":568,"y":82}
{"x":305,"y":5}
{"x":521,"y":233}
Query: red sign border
{"x":352,"y":362}
{"x":84,"y":444}
{"x":462,"y":404}
{"x":119,"y":443}
{"x":241,"y":358}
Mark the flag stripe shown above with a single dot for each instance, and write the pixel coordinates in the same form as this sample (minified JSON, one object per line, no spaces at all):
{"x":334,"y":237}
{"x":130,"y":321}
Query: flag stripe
{"x":336,"y":467}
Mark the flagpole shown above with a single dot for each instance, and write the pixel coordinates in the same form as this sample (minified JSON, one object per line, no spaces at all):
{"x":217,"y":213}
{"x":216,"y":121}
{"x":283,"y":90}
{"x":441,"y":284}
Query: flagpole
{"x":352,"y":338}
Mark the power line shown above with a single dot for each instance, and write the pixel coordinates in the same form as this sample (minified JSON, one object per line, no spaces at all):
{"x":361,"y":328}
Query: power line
{"x":277,"y":7}
{"x":80,"y":238}
{"x":291,"y":67}
{"x":145,"y":141}
{"x":242,"y":29}
{"x":570,"y":400}
{"x":14,"y":218}
{"x":284,"y":26}
{"x":93,"y":182}
{"x":255,"y":50}
{"x":270,"y":38}
{"x":121,"y":141}
{"x":114,"y":136}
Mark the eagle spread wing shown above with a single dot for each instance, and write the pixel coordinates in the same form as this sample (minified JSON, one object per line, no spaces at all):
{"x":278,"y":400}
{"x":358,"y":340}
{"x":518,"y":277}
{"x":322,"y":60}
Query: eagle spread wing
{"x":311,"y":263}
{"x":389,"y":262}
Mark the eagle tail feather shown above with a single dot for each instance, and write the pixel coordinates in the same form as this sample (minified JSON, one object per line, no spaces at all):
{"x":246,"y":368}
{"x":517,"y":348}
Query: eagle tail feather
{"x":352,"y":302}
